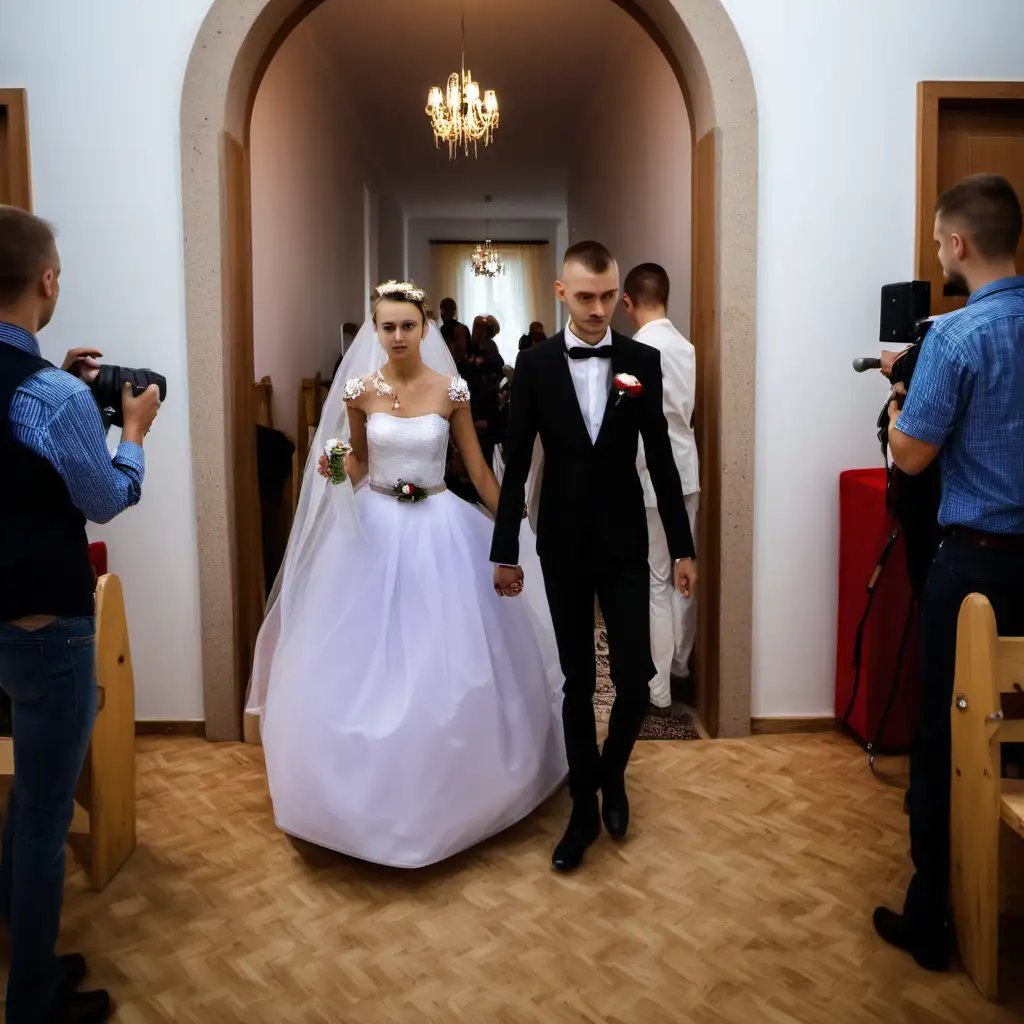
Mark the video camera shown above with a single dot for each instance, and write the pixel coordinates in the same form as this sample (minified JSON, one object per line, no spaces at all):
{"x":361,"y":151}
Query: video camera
{"x":914,"y":501}
{"x":108,"y":389}
{"x":905,"y":320}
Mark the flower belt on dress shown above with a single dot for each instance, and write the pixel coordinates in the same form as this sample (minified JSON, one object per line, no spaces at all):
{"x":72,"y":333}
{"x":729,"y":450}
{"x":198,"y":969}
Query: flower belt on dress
{"x":405,"y":491}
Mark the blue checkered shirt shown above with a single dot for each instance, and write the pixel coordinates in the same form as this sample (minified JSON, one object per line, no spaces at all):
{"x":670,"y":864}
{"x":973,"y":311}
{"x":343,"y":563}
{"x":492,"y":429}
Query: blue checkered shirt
{"x":967,"y":395}
{"x":54,"y":415}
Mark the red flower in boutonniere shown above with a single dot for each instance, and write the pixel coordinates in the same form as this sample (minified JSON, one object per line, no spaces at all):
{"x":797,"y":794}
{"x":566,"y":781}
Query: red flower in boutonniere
{"x":627,"y":386}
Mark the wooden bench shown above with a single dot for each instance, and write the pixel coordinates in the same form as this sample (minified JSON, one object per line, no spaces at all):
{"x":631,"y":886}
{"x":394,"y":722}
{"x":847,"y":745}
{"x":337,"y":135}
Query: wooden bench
{"x":987,"y":811}
{"x":312,"y":395}
{"x":103,"y":834}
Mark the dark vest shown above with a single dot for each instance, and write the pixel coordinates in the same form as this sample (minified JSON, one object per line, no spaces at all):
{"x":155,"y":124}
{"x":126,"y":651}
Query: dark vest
{"x":44,"y":551}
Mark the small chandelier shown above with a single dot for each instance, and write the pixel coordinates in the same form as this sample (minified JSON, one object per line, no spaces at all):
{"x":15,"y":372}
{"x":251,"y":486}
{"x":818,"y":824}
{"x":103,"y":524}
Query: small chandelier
{"x":459,"y":117}
{"x":486,"y":261}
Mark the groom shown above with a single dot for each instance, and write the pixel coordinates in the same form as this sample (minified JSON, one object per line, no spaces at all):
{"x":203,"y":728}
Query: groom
{"x":590,"y":394}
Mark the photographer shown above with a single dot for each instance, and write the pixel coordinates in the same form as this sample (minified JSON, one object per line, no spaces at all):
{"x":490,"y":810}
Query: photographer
{"x":58,"y":473}
{"x":965,"y":408}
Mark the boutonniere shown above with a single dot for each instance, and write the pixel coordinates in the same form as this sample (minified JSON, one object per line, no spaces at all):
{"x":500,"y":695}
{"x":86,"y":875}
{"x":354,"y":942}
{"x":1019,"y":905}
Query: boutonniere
{"x":627,"y":386}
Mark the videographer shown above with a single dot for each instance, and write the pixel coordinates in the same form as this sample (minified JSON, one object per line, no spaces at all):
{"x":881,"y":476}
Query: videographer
{"x":966,"y":408}
{"x":58,"y":473}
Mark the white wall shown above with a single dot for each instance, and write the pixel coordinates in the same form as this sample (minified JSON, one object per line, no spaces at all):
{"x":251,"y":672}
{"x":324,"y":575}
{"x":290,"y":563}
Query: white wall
{"x":422,"y":230}
{"x":106,"y":171}
{"x":836,"y":92}
{"x":836,"y":102}
{"x":391,"y":240}
{"x":632,"y":191}
{"x":308,"y":224}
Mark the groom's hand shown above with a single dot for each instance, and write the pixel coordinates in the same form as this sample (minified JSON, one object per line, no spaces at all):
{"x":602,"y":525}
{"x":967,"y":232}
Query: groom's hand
{"x":686,"y":577}
{"x":508,"y":580}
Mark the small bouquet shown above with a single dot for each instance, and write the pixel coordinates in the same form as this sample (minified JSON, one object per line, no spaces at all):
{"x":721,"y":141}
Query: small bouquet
{"x":627,"y":386}
{"x":332,"y":461}
{"x":405,"y":491}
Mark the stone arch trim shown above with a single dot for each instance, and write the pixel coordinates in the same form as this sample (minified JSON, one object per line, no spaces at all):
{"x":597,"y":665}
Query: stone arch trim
{"x":227,"y":60}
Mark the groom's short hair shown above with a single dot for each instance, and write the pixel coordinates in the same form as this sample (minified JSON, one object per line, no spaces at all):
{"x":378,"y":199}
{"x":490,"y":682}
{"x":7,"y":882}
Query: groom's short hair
{"x":647,"y":286}
{"x":593,"y":255}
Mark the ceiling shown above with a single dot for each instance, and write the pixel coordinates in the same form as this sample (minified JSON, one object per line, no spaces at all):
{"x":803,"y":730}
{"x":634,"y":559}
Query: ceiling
{"x":548,"y":60}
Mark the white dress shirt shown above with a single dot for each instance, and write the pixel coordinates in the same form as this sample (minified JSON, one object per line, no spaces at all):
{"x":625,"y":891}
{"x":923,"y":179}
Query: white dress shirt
{"x":592,"y":379}
{"x":679,"y":377}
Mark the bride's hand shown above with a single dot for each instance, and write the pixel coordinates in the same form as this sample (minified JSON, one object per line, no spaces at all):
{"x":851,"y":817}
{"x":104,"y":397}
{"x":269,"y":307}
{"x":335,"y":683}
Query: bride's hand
{"x":508,"y":580}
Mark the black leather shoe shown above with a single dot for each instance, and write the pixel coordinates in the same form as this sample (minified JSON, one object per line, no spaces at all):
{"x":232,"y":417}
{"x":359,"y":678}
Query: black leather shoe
{"x":932,"y":955}
{"x":615,"y":810}
{"x":83,"y":1008}
{"x":75,"y":971}
{"x":583,"y":831}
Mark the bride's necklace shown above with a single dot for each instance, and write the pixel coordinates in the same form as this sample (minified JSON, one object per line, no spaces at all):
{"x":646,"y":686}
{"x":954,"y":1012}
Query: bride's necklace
{"x":385,"y":390}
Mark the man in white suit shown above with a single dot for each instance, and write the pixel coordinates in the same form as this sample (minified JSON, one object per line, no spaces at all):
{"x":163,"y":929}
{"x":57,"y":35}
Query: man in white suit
{"x":673,"y":621}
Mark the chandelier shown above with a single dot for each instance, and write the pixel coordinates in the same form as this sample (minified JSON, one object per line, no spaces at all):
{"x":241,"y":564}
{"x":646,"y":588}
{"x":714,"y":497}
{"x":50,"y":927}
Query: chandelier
{"x":486,"y":261}
{"x":459,"y":116}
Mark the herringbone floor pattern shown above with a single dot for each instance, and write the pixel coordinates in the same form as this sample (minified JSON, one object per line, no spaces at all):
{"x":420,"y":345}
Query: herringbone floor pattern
{"x":742,"y":896}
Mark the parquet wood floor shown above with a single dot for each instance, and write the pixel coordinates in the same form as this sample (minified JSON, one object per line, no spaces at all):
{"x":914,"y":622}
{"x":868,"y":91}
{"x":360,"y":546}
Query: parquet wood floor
{"x":742,"y":896}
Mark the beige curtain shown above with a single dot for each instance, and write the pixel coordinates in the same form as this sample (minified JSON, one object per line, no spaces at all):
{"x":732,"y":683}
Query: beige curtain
{"x":448,"y":263}
{"x":517,"y":297}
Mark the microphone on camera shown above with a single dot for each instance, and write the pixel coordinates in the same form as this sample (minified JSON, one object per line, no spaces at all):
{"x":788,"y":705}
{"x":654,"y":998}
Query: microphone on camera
{"x":864,"y":363}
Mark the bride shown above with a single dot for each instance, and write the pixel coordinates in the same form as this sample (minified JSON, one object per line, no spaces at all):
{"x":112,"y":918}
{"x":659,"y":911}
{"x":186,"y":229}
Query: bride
{"x":407,"y":711}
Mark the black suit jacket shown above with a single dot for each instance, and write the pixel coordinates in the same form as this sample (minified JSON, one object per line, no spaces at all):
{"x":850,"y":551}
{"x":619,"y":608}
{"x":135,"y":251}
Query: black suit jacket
{"x":591,"y":499}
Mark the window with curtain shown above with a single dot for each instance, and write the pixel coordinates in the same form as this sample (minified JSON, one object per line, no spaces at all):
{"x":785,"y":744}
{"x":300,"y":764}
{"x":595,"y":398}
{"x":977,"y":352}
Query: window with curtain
{"x":517,"y":297}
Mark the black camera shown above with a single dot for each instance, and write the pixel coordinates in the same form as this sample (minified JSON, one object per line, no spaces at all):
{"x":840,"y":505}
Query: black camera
{"x":914,"y":501}
{"x":904,"y":320}
{"x":108,"y":390}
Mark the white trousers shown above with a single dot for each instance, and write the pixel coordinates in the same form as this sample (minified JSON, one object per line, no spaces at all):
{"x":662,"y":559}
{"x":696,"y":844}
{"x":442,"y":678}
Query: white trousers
{"x":673,"y":617}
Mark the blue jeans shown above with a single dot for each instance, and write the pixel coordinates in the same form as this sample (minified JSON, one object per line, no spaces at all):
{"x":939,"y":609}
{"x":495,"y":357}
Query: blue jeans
{"x":50,"y":676}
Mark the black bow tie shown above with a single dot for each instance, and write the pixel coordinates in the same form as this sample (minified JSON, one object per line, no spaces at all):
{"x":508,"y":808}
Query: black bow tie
{"x":590,"y":352}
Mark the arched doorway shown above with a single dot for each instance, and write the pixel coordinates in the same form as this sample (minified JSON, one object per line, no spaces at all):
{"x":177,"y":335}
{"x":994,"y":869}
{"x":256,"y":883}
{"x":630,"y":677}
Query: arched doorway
{"x":235,"y":44}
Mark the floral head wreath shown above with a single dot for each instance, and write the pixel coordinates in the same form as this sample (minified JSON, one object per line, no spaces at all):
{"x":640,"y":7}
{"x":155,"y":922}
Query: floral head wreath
{"x":403,"y":289}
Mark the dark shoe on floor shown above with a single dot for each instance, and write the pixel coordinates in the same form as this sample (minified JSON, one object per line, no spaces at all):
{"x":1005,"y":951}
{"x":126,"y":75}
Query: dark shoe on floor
{"x":932,"y":955}
{"x":83,"y":1008}
{"x":583,"y":831}
{"x":75,"y":971}
{"x":657,"y":712}
{"x":615,"y":809}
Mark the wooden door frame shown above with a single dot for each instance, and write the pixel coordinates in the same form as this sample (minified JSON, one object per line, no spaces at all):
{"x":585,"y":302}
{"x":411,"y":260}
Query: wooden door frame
{"x":930,"y":98}
{"x":19,"y":168}
{"x":231,"y":50}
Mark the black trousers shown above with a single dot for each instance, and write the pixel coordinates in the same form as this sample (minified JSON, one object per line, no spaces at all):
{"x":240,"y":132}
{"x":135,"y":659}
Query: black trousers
{"x":623,"y":593}
{"x":957,"y":571}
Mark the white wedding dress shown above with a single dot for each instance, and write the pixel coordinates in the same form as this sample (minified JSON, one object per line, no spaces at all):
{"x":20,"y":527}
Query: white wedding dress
{"x":408,"y":712}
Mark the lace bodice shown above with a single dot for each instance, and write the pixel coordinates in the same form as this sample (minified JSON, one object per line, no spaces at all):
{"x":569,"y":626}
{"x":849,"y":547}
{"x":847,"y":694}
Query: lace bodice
{"x":413,"y":449}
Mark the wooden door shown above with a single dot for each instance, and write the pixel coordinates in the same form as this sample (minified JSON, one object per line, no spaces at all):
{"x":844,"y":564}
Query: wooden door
{"x":15,"y":177}
{"x":965,"y":128}
{"x":707,"y":425}
{"x":245,"y":503}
